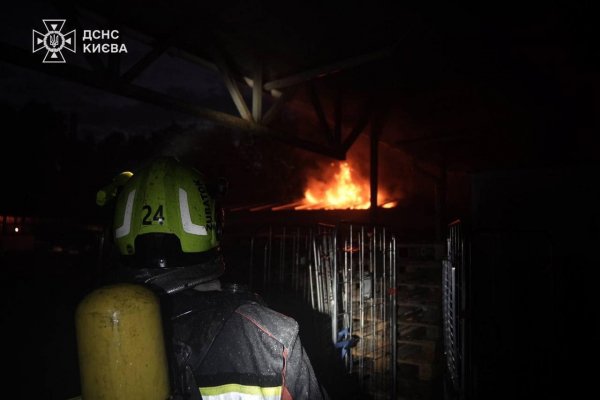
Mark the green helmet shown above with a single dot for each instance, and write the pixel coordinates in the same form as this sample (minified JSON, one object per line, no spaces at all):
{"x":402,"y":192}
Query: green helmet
{"x":168,"y":226}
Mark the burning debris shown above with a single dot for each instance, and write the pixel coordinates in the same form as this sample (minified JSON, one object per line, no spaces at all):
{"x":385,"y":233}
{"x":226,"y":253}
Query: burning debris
{"x":345,"y":190}
{"x":335,"y":186}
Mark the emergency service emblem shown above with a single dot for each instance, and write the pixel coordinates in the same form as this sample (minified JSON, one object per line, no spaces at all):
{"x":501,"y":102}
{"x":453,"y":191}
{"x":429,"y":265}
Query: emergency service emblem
{"x":54,"y":41}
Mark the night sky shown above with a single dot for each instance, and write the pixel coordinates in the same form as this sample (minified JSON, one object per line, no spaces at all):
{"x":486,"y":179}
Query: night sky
{"x":21,"y":85}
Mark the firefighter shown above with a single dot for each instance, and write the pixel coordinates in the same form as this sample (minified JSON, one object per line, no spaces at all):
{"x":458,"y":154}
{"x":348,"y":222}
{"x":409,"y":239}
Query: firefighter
{"x":222,"y":344}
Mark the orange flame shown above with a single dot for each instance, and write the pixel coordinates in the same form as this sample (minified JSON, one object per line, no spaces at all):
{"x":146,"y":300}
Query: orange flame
{"x":344,"y":191}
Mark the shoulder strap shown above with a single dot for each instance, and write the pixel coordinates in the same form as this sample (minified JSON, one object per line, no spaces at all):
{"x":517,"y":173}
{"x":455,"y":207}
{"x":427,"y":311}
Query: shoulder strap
{"x":196,"y":319}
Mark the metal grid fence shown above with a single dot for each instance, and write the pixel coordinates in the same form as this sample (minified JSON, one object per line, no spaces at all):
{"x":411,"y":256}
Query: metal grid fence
{"x":452,"y":277}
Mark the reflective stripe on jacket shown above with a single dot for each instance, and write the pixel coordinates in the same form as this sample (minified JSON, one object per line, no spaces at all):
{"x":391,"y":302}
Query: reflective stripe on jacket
{"x":235,"y":391}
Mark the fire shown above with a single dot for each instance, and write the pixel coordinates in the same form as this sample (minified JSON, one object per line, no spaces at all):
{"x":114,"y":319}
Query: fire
{"x":390,"y":204}
{"x":344,"y":191}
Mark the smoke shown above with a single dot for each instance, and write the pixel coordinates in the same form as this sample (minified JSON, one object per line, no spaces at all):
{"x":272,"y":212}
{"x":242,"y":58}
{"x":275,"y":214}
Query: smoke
{"x":183,"y":142}
{"x":393,"y":170}
{"x":287,"y":172}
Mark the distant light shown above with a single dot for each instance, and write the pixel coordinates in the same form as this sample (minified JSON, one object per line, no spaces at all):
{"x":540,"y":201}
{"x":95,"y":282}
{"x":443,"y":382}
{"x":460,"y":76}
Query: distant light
{"x":17,"y":229}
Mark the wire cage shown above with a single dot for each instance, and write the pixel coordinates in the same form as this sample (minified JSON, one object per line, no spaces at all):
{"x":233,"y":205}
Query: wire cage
{"x":344,"y":271}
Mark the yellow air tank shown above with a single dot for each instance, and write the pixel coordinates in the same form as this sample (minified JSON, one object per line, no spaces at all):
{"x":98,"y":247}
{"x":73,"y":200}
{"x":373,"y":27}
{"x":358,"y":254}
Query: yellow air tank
{"x":120,"y":344}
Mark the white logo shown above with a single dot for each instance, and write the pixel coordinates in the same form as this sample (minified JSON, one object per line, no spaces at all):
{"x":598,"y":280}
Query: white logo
{"x":54,"y":41}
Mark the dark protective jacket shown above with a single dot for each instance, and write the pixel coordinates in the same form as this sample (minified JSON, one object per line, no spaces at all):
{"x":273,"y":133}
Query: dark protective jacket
{"x":230,"y":346}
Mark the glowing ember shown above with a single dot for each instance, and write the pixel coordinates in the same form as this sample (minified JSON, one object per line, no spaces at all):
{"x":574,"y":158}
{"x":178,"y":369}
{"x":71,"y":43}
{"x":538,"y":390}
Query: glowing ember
{"x":344,"y":191}
{"x":390,"y":204}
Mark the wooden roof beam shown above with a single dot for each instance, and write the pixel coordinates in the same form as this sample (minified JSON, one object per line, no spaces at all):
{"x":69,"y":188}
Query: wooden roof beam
{"x":327,"y":69}
{"x":26,"y":59}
